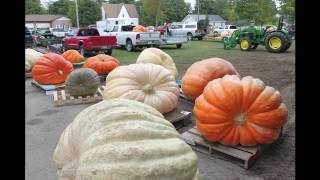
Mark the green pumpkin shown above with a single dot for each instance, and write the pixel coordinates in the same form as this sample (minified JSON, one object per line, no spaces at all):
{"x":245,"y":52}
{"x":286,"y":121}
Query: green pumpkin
{"x":82,"y":82}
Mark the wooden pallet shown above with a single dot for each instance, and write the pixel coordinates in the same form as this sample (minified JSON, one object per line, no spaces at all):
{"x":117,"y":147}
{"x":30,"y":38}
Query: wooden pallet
{"x":103,"y":77}
{"x":28,"y":75}
{"x":241,"y":155}
{"x":61,"y":98}
{"x":42,"y":50}
{"x":78,"y":65}
{"x":177,"y":117}
{"x":47,"y":88}
{"x":181,"y":95}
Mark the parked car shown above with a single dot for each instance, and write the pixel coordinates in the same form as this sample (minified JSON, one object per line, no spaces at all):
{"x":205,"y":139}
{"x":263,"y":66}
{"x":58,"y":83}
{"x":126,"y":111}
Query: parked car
{"x":58,"y":32}
{"x":70,"y":32}
{"x":88,"y":39}
{"x":129,"y":39}
{"x":28,"y":38}
{"x":226,"y":28}
{"x":190,"y":30}
{"x":45,"y":32}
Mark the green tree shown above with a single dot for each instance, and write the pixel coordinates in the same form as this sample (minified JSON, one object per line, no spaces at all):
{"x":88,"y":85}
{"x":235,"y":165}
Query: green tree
{"x":288,"y":7}
{"x":173,"y":11}
{"x":260,"y":11}
{"x":89,"y":12}
{"x":34,"y":7}
{"x":60,"y":7}
{"x":223,"y":8}
{"x":151,"y":11}
{"x":121,"y":1}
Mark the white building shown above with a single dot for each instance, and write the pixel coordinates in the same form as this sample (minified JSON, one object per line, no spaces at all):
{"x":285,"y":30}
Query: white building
{"x":214,"y":20}
{"x":119,"y":14}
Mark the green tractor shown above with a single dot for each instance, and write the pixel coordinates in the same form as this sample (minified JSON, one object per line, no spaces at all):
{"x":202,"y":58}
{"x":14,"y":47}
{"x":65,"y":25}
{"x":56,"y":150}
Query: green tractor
{"x":276,"y":40}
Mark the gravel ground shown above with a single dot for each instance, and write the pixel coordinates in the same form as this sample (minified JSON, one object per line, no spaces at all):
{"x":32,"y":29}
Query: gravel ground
{"x":45,"y":123}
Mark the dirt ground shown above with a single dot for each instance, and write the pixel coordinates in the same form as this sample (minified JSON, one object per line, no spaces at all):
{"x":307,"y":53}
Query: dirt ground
{"x":45,"y":123}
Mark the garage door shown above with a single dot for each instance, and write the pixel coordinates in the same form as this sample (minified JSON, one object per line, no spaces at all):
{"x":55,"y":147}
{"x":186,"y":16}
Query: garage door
{"x":43,"y":25}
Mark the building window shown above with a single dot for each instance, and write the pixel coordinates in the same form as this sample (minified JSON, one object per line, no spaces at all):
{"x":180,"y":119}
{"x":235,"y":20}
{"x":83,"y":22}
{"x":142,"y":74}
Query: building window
{"x":123,"y":15}
{"x":116,"y":22}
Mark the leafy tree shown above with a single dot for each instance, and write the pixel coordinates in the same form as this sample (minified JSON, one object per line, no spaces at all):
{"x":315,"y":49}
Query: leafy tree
{"x":223,"y":8}
{"x":34,"y":7}
{"x":173,"y":11}
{"x":260,"y":11}
{"x":288,"y":7}
{"x":121,"y":1}
{"x":89,"y":12}
{"x":151,"y":11}
{"x":60,"y":7}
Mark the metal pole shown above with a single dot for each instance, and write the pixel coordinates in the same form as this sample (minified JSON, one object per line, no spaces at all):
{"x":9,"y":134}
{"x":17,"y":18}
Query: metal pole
{"x":198,"y":8}
{"x":77,"y":15}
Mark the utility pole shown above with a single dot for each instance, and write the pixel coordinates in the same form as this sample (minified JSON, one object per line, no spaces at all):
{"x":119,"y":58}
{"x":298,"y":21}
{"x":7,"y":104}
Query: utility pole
{"x":77,"y":15}
{"x":198,"y":8}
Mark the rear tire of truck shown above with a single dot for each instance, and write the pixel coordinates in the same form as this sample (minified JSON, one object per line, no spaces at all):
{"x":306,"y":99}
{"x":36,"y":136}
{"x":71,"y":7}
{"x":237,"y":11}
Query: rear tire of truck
{"x":178,"y":46}
{"x":129,"y":45}
{"x":81,"y":50}
{"x":64,"y":48}
{"x":108,"y":52}
{"x":189,"y":36}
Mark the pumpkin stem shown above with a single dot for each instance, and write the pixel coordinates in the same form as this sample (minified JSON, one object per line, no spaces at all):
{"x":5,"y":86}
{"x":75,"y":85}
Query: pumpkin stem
{"x":60,"y":72}
{"x":147,"y":88}
{"x":240,"y":119}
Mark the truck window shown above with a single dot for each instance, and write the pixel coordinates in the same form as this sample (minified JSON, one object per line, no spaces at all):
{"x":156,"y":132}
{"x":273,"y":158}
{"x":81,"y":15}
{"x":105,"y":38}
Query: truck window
{"x":89,"y":32}
{"x":190,"y":26}
{"x":233,"y":27}
{"x":127,"y":28}
{"x":115,"y":29}
{"x":177,"y":27}
{"x":93,"y":32}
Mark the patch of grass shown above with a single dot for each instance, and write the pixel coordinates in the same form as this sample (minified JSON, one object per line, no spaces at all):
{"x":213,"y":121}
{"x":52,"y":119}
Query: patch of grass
{"x":247,"y":63}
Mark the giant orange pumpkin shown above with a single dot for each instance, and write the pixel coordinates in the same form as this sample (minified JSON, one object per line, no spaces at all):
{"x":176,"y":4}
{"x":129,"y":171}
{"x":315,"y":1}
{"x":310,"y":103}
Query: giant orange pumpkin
{"x":200,"y":73}
{"x":101,"y":63}
{"x":51,"y":68}
{"x":73,"y":56}
{"x":233,"y":111}
{"x":139,"y":28}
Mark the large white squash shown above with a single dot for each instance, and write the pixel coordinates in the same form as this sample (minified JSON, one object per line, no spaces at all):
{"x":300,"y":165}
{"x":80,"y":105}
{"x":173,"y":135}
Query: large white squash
{"x":123,"y":139}
{"x":31,"y":56}
{"x":157,"y":56}
{"x":148,"y":83}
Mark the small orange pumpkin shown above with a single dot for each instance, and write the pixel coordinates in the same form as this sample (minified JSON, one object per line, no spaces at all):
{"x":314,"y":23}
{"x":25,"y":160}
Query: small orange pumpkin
{"x":51,"y":68}
{"x":233,"y":111}
{"x":73,"y":56}
{"x":200,"y":73}
{"x":102,"y":63}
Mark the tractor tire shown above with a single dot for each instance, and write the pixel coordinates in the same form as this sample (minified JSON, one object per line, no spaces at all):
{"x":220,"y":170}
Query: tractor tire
{"x":276,"y":42}
{"x":245,"y":44}
{"x":288,"y":44}
{"x":287,"y":47}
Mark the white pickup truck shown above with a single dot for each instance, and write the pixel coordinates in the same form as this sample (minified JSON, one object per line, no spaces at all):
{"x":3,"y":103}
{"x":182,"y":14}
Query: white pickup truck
{"x":227,"y":28}
{"x":129,"y":39}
